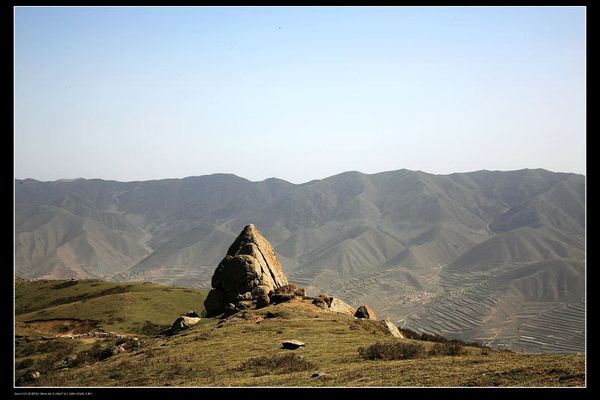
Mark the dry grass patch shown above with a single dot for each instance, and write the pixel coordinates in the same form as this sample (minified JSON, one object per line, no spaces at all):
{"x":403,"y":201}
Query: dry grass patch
{"x":278,"y":363}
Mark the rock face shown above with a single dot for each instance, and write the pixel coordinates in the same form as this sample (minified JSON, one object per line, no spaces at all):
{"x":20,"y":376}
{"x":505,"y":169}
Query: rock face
{"x":249,"y":266}
{"x":392,"y":329}
{"x":365,"y":312}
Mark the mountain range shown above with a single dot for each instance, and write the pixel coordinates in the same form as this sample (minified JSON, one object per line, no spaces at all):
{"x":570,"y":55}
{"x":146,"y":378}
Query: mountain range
{"x":493,"y":256}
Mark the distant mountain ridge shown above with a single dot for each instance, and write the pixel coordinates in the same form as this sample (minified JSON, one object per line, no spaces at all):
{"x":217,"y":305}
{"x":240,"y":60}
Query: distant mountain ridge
{"x":480,"y":254}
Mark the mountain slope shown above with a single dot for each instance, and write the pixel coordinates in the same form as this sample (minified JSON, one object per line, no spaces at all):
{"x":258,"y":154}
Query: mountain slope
{"x":398,"y":240}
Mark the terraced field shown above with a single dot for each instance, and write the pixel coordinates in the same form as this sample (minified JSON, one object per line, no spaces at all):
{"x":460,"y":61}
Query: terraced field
{"x":561,"y":329}
{"x":486,"y":307}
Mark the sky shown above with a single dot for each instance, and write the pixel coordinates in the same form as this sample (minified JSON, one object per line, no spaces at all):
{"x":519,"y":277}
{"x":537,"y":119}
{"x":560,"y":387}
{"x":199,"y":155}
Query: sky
{"x":297,"y":93}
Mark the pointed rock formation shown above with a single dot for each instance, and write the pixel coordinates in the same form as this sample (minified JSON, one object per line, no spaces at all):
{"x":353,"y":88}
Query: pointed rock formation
{"x":250,"y":266}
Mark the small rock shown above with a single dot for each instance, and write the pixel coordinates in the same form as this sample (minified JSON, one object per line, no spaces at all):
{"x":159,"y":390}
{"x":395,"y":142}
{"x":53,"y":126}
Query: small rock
{"x":244,"y":297}
{"x":192,"y":314}
{"x":244,"y":305}
{"x":182,"y":323}
{"x":292,"y":344}
{"x":318,"y":374}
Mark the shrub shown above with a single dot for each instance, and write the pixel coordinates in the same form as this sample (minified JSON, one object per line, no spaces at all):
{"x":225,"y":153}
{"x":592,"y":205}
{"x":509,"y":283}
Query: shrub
{"x":447,"y":349}
{"x":391,"y":351}
{"x":279,"y":363}
{"x":63,"y":285}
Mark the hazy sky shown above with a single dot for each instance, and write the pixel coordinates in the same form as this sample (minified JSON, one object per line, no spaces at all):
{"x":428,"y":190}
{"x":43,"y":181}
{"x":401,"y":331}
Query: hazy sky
{"x":296,"y":93}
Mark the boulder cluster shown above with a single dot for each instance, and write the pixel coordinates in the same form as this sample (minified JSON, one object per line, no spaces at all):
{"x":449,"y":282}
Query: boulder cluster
{"x":250,"y":277}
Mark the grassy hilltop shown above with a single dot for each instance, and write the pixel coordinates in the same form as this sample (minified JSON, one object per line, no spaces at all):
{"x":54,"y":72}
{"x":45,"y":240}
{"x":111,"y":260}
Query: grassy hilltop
{"x":245,"y":349}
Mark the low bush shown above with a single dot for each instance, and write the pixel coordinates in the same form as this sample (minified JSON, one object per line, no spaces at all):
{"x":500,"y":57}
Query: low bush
{"x":446,"y":349}
{"x":279,"y":363}
{"x":392,"y":351}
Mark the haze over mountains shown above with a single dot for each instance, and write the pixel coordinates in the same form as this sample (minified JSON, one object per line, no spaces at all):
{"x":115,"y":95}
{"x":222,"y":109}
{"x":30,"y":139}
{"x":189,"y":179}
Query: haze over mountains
{"x":486,"y":255}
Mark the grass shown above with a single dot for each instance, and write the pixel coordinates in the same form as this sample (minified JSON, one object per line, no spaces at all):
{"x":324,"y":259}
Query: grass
{"x":277,"y":363}
{"x":218,"y":353}
{"x":134,"y":307}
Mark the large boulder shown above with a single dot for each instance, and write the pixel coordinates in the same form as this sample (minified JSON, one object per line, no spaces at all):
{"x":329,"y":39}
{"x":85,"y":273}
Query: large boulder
{"x":365,"y":312}
{"x":250,"y":265}
{"x":341,"y":307}
{"x":333,"y":304}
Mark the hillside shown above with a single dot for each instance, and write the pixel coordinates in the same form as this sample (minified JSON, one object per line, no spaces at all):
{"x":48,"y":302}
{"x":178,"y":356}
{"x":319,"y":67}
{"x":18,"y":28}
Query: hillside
{"x":128,"y":308}
{"x":403,"y":241}
{"x":241,"y":350}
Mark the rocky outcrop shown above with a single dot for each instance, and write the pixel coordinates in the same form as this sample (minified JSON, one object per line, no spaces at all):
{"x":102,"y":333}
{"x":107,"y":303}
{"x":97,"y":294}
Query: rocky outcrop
{"x":392,"y":329}
{"x":333,"y":304}
{"x":365,"y":312}
{"x":250,"y":266}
